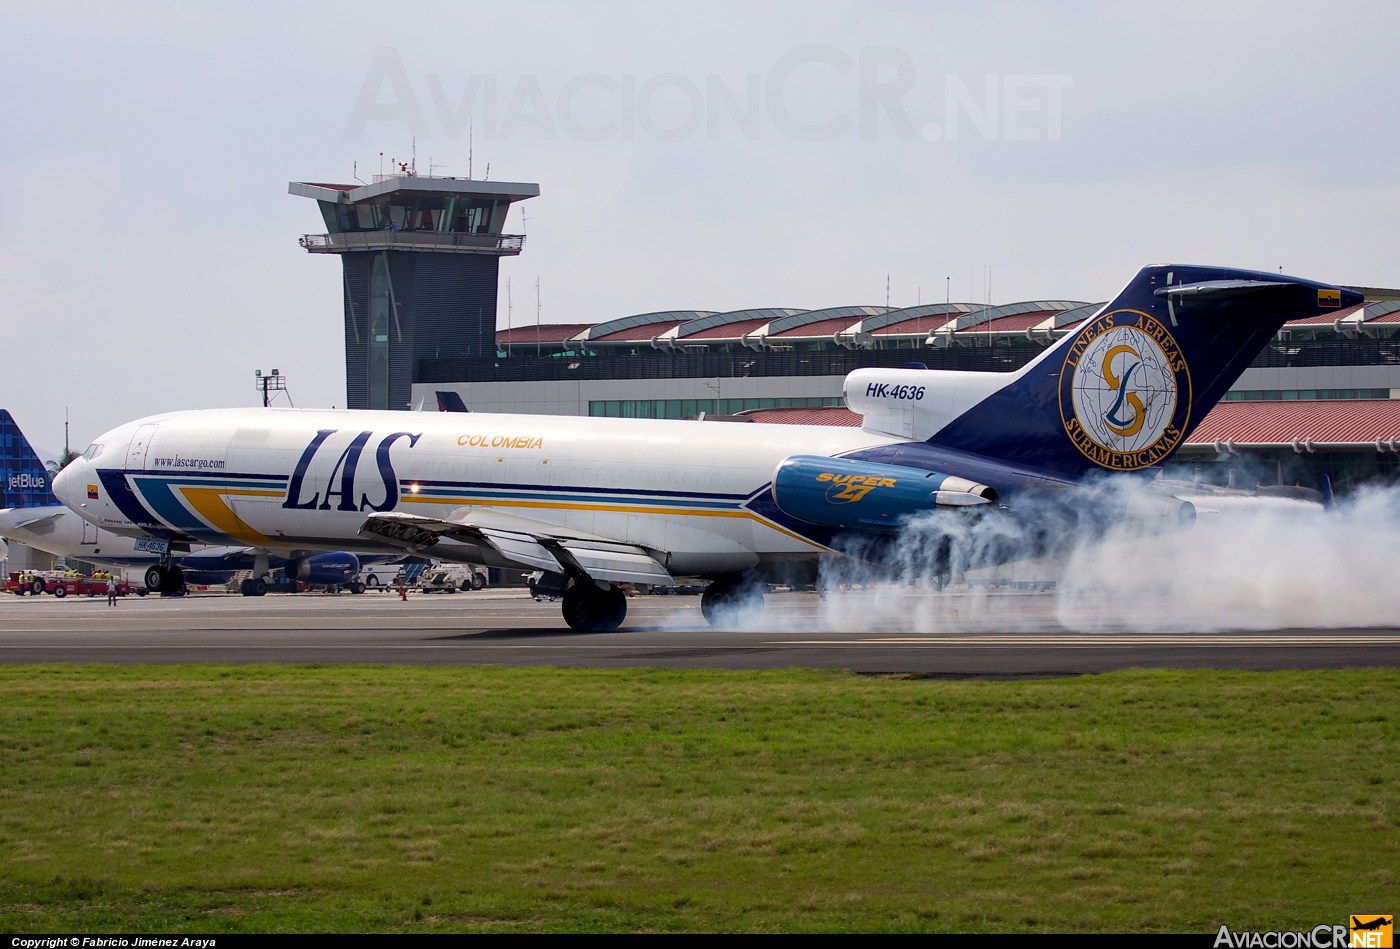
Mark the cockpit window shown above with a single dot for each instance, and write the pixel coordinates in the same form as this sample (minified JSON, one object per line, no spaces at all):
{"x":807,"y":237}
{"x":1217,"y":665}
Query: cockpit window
{"x":92,"y":452}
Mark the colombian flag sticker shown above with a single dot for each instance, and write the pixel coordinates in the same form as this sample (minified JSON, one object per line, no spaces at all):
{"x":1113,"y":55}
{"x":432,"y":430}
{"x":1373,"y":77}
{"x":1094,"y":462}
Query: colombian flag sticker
{"x":92,"y":492}
{"x":1329,"y":298}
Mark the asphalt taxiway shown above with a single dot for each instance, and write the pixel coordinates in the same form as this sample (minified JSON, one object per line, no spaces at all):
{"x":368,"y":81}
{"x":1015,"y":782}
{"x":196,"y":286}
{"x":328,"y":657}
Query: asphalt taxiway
{"x":1012,"y":635}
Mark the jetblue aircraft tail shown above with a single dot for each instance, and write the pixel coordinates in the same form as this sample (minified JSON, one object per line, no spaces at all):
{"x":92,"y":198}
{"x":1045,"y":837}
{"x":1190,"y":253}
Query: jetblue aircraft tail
{"x":1126,"y":389}
{"x":24,"y":481}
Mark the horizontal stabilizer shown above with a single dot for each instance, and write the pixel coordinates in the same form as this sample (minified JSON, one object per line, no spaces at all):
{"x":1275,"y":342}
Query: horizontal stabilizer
{"x":37,"y":524}
{"x":1222,"y":289}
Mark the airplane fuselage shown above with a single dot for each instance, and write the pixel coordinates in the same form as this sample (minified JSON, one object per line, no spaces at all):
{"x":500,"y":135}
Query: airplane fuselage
{"x":299,"y":480}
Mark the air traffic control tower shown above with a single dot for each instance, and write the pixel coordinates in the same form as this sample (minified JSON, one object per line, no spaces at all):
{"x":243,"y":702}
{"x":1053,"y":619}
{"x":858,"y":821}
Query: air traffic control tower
{"x":421,"y":261}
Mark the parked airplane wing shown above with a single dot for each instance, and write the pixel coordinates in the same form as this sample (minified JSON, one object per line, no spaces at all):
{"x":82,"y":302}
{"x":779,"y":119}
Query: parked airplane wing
{"x":533,"y":544}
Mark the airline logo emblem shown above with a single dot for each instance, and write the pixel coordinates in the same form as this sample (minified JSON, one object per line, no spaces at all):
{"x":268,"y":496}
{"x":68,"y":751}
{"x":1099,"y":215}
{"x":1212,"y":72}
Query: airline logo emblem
{"x":1125,"y":391}
{"x":1329,"y":298}
{"x":1372,"y":931}
{"x":846,"y":489}
{"x":26,"y":482}
{"x":92,"y":492}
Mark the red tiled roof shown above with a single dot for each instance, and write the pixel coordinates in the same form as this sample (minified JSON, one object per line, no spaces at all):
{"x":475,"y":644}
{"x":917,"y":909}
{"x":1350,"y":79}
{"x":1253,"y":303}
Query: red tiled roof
{"x":642,"y":333}
{"x":821,"y":329}
{"x":920,"y":324}
{"x":1017,"y":323}
{"x":548,"y":333}
{"x":1343,"y":421}
{"x":728,"y":330}
{"x":1324,"y":319}
{"x":817,"y":415}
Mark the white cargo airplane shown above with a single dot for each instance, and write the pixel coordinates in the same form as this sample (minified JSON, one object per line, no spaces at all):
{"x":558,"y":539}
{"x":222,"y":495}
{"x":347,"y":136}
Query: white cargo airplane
{"x":593,"y":502}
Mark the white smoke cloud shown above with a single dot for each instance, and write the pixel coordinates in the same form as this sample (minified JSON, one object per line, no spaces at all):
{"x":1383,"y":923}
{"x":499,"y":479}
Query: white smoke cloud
{"x":1246,"y":564}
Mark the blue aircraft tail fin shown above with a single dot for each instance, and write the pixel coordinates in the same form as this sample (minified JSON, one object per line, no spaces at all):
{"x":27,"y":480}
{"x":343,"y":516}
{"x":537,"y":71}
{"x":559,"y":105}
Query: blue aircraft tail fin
{"x":1124,"y":390}
{"x":24,"y":481}
{"x":449,"y":401}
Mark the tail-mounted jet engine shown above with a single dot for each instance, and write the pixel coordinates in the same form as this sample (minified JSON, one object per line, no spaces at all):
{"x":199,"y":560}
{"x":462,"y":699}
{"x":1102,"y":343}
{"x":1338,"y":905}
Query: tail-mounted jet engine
{"x":857,"y":495}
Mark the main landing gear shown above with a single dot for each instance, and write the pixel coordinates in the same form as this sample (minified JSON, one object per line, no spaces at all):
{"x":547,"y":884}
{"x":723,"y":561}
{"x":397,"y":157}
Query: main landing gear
{"x":590,"y":608}
{"x":733,"y":601}
{"x":166,"y":579}
{"x":257,"y":584}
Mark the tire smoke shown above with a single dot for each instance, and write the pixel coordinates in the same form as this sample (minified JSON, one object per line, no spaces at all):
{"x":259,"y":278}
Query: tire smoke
{"x":1085,"y":561}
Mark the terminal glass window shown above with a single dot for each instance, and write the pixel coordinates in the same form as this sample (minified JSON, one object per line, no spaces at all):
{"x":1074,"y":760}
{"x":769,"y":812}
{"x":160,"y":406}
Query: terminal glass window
{"x":379,"y":334}
{"x":1303,"y":395}
{"x":691,"y":408}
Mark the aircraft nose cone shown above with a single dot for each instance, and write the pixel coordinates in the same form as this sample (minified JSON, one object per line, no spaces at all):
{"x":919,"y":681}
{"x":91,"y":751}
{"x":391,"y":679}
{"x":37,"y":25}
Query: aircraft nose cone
{"x":64,"y":481}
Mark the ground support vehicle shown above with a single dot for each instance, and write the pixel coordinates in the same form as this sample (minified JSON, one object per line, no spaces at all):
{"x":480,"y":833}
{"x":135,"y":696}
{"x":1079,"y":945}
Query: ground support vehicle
{"x":20,"y":584}
{"x":81,"y":586}
{"x":438,"y":582}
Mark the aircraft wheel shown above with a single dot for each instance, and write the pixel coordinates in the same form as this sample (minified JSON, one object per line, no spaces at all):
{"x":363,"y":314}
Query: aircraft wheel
{"x":357,"y":587}
{"x":478,"y":582}
{"x":732,"y":602}
{"x":258,"y":586}
{"x":174,"y":580}
{"x":589,"y":609}
{"x":155,"y":578}
{"x":245,"y":587}
{"x":60,"y":591}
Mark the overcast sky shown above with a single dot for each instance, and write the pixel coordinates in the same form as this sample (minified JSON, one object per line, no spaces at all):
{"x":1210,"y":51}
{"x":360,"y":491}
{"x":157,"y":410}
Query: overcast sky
{"x":148,"y":246}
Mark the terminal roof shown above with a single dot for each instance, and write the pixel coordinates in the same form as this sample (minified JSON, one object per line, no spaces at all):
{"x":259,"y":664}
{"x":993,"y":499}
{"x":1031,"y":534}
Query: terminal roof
{"x":1279,"y":425}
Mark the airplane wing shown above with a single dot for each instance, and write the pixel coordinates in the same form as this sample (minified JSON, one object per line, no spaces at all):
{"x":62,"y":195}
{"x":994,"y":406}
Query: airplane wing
{"x":533,"y":544}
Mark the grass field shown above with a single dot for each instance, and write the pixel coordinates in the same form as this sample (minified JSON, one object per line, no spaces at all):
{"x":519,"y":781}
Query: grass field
{"x":262,"y":798}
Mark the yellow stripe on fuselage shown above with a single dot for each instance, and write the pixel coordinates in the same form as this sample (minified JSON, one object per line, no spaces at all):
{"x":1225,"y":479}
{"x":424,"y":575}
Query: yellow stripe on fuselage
{"x":209,"y":503}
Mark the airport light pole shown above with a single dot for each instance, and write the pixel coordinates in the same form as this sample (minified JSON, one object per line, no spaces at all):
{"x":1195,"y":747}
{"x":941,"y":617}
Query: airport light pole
{"x":270,"y":384}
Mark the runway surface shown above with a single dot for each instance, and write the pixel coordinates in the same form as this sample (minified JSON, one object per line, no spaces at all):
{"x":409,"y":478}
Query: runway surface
{"x":1007,"y":635}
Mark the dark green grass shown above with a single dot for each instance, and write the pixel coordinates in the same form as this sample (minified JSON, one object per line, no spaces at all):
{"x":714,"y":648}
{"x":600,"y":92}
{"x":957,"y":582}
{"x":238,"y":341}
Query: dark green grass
{"x":313,"y":798}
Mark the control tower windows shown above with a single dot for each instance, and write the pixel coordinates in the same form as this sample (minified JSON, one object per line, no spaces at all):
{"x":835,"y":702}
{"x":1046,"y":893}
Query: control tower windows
{"x":411,"y":213}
